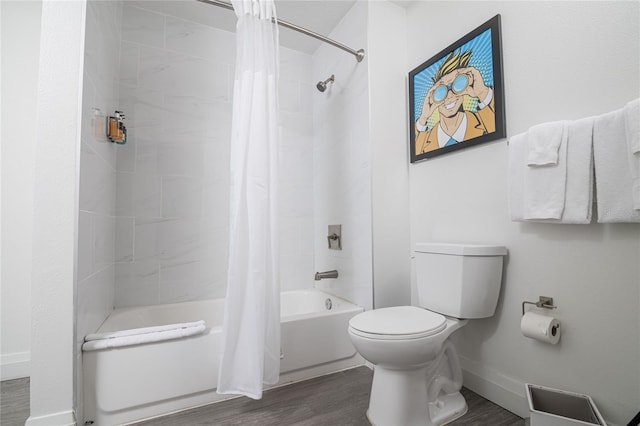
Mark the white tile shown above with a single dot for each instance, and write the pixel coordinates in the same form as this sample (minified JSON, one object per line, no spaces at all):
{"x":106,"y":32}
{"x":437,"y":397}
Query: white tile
{"x":200,"y":40}
{"x":147,"y":159}
{"x":289,"y":96}
{"x":124,"y":194}
{"x":142,"y":107}
{"x":296,"y":272}
{"x":289,"y":240}
{"x":147,"y":239}
{"x":142,"y":26}
{"x":193,"y":106}
{"x":189,"y":281}
{"x":295,"y":66}
{"x":306,"y":235}
{"x":104,"y":241}
{"x":126,"y":154}
{"x":129,"y":54}
{"x":216,"y":162}
{"x":154,"y":68}
{"x":215,"y":202}
{"x":146,"y":195}
{"x":97,"y":182}
{"x":124,"y":239}
{"x":183,"y":75}
{"x":183,"y":240}
{"x":184,"y":127}
{"x":180,"y":159}
{"x":181,"y":197}
{"x":95,"y":295}
{"x":85,"y":244}
{"x":89,"y":109}
{"x":136,"y":283}
{"x":198,"y":77}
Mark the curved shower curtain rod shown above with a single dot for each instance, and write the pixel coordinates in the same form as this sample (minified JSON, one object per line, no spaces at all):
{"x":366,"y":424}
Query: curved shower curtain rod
{"x":359,"y":54}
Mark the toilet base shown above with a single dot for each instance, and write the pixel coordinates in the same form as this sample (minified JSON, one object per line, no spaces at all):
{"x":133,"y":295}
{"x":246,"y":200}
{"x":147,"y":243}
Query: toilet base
{"x":423,"y":395}
{"x":399,"y":398}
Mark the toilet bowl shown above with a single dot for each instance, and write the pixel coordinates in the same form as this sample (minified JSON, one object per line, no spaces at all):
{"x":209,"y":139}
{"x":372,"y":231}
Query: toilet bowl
{"x":417,"y":376}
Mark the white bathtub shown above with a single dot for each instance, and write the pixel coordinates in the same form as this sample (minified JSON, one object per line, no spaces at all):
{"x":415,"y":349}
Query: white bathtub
{"x":126,"y":384}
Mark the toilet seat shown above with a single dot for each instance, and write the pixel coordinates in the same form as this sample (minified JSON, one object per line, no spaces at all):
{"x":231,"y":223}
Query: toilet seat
{"x":397,"y":323}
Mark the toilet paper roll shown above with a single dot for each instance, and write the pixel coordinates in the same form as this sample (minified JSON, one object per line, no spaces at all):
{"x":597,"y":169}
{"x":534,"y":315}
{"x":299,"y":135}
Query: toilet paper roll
{"x":540,"y":327}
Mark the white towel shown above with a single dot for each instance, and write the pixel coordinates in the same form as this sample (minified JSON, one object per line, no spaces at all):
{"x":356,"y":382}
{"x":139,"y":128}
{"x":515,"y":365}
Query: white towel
{"x":143,"y":330}
{"x":632,"y":131}
{"x":579,"y":196}
{"x":545,"y":186}
{"x":614,"y":180}
{"x":544,"y":142}
{"x":133,"y":337}
{"x":517,"y":164}
{"x":632,"y":125}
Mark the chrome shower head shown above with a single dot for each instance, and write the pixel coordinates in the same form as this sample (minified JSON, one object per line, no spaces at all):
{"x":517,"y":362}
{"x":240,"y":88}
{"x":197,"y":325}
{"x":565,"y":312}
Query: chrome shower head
{"x":322,"y":85}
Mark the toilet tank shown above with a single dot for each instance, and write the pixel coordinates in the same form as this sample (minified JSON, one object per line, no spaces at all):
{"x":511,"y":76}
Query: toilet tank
{"x":459,"y":280}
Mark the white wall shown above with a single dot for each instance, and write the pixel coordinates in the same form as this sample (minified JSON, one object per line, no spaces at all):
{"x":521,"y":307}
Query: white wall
{"x":562,"y":60}
{"x":390,"y":170}
{"x":20,"y":57}
{"x":56,"y":194}
{"x":173,"y":175}
{"x":342,"y":162}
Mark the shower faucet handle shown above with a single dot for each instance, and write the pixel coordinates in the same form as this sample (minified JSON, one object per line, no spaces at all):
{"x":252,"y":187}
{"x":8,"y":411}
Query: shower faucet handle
{"x":334,"y":237}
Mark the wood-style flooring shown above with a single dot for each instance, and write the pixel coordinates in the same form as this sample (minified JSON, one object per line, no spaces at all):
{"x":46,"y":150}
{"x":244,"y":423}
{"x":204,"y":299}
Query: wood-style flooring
{"x":338,"y":399}
{"x":14,"y":402}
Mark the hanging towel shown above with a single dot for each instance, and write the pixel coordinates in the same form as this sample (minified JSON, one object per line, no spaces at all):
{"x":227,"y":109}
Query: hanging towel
{"x":545,"y":185}
{"x":136,"y":337}
{"x":517,"y":164}
{"x":614,"y":172}
{"x":579,"y":195}
{"x":632,"y":125}
{"x":544,"y":142}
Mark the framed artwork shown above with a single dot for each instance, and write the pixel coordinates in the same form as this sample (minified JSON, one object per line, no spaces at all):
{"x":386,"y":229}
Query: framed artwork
{"x":456,"y":98}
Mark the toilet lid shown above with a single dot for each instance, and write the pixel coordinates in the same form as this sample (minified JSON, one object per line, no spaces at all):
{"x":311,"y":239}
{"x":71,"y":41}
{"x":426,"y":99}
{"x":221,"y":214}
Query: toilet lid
{"x":400,"y":322}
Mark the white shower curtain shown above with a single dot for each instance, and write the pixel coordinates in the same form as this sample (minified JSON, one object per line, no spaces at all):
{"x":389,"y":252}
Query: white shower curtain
{"x":250,"y":354}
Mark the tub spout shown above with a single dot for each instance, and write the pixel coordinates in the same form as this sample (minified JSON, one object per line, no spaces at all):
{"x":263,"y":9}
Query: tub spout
{"x":326,"y":274}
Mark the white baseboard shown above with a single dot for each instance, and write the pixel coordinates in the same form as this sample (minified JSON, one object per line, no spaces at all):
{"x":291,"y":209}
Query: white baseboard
{"x":15,"y":365}
{"x":63,"y":418}
{"x":505,"y":391}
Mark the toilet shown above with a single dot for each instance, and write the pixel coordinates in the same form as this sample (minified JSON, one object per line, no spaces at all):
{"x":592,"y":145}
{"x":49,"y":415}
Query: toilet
{"x":417,"y":375}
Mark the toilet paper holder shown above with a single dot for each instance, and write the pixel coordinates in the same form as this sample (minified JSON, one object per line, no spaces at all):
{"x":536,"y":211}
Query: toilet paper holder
{"x":543,"y":302}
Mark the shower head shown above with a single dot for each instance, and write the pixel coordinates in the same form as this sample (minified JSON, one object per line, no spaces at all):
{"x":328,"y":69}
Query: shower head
{"x":322,"y":85}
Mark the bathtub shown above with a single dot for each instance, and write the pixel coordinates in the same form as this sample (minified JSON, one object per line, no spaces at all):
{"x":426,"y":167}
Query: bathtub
{"x":130,"y":383}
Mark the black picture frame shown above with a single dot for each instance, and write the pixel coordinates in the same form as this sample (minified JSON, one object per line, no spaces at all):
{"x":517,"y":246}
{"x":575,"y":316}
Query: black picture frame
{"x":461,"y":73}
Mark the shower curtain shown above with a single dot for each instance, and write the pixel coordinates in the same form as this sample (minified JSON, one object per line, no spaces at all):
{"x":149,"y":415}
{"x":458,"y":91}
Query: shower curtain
{"x":250,"y":353}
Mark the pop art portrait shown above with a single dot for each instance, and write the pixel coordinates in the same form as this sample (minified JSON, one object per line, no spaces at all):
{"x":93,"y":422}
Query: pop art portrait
{"x":457,"y":97}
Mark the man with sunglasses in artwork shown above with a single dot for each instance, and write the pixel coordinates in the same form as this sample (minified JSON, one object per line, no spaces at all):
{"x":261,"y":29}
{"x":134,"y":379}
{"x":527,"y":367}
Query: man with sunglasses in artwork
{"x":457,"y":119}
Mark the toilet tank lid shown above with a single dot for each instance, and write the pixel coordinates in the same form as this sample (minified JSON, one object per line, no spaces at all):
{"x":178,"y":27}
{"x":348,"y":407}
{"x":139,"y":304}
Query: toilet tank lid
{"x":461,"y":249}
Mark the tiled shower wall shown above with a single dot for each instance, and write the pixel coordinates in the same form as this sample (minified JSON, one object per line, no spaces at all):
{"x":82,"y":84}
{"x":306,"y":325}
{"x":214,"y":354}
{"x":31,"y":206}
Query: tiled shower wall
{"x":97,"y":201}
{"x":342,"y":162}
{"x":171,"y":226}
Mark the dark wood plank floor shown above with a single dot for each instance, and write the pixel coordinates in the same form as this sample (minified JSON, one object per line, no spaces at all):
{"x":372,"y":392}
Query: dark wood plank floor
{"x":14,"y":402}
{"x":338,"y":399}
